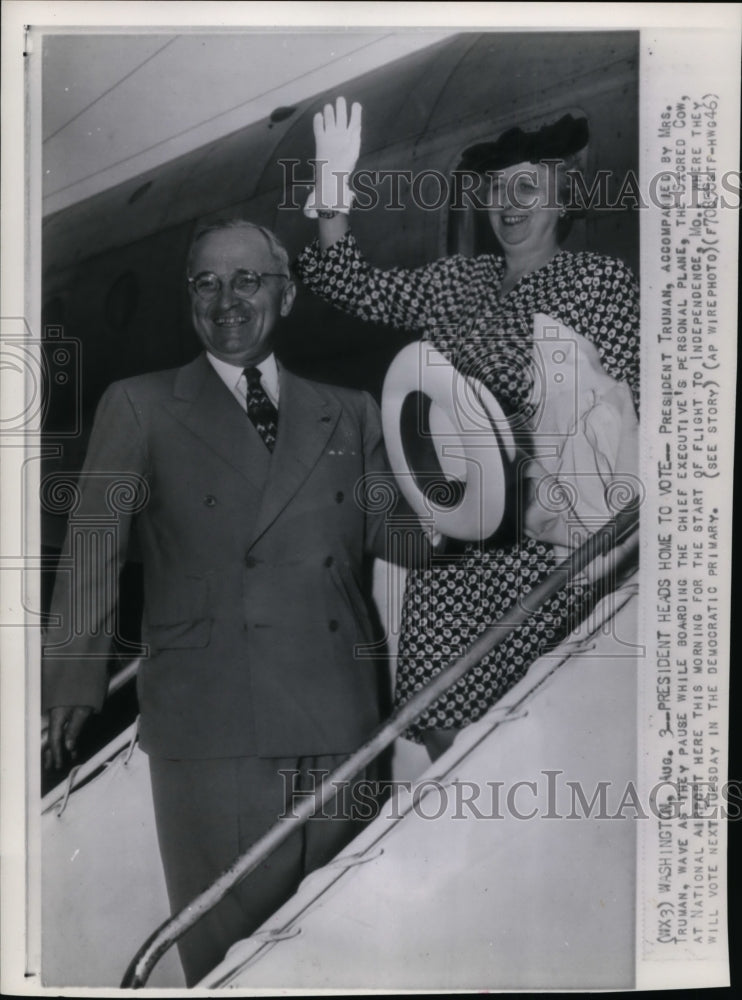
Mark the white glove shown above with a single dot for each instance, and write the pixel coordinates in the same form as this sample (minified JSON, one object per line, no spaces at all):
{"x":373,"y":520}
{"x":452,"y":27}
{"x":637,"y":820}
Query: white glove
{"x":337,"y":145}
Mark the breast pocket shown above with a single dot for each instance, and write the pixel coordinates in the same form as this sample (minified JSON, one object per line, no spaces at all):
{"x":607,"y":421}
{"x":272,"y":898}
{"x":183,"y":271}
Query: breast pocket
{"x":177,"y":617}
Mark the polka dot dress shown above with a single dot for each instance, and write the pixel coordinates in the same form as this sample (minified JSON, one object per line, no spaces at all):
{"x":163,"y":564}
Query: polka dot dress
{"x":455,"y":303}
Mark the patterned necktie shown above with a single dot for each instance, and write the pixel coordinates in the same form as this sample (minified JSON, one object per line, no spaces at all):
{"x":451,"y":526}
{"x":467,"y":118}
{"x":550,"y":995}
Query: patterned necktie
{"x":260,"y":410}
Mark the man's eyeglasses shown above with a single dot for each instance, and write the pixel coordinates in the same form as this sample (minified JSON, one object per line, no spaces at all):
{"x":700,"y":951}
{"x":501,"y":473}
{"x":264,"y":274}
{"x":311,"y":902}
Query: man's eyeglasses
{"x":244,"y":284}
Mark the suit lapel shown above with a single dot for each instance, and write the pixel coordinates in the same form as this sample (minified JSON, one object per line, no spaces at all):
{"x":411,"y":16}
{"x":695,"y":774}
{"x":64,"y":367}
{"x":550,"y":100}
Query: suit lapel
{"x":205,"y":406}
{"x":306,"y":421}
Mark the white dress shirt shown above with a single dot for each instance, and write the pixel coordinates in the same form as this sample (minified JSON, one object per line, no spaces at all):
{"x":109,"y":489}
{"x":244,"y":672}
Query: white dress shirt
{"x":234,"y":379}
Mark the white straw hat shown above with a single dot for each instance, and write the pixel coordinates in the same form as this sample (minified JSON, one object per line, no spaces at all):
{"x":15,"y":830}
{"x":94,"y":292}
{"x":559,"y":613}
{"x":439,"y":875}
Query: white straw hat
{"x":449,"y":443}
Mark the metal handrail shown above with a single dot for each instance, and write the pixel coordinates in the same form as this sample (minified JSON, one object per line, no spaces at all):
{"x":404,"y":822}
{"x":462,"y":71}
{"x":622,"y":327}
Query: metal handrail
{"x":83,"y":772}
{"x":607,"y":538}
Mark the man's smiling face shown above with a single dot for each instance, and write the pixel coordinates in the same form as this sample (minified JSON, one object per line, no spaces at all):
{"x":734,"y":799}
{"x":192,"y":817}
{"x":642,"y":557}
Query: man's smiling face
{"x":236,"y":328}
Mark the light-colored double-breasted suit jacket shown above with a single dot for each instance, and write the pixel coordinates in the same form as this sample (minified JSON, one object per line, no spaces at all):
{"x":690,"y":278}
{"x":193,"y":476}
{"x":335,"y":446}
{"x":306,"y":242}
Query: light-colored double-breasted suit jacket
{"x":252,"y":562}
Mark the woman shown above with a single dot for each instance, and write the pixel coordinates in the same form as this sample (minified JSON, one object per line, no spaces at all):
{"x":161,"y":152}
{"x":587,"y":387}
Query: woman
{"x":479,"y":313}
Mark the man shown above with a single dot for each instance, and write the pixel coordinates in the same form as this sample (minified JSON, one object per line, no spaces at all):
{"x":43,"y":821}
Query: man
{"x":252,"y":543}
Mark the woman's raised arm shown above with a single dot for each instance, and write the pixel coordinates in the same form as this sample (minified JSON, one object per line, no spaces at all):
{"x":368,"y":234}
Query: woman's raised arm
{"x":334,"y":268}
{"x":337,"y":141}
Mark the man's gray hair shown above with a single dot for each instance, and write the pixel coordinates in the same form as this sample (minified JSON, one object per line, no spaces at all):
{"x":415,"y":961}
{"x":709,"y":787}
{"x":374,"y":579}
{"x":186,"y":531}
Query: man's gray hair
{"x":278,"y":250}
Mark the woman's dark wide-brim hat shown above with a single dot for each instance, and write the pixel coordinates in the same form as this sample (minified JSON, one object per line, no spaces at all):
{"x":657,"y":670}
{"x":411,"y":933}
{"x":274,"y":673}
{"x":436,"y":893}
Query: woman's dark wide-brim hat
{"x":557,"y":141}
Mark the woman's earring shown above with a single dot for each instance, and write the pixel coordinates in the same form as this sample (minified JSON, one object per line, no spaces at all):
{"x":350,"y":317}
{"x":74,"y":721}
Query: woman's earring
{"x":562,"y":213}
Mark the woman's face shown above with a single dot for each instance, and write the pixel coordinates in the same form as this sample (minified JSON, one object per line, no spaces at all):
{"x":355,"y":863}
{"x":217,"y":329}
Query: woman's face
{"x":525,"y":210}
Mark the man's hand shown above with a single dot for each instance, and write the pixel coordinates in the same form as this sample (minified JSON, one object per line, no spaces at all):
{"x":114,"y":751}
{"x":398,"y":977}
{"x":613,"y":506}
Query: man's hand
{"x":65,"y":723}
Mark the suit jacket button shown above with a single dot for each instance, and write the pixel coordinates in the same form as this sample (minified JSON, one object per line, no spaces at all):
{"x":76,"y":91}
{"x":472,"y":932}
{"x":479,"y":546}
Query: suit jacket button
{"x":334,"y":625}
{"x":329,"y":561}
{"x":339,"y":496}
{"x":210,"y":500}
{"x":251,"y":562}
